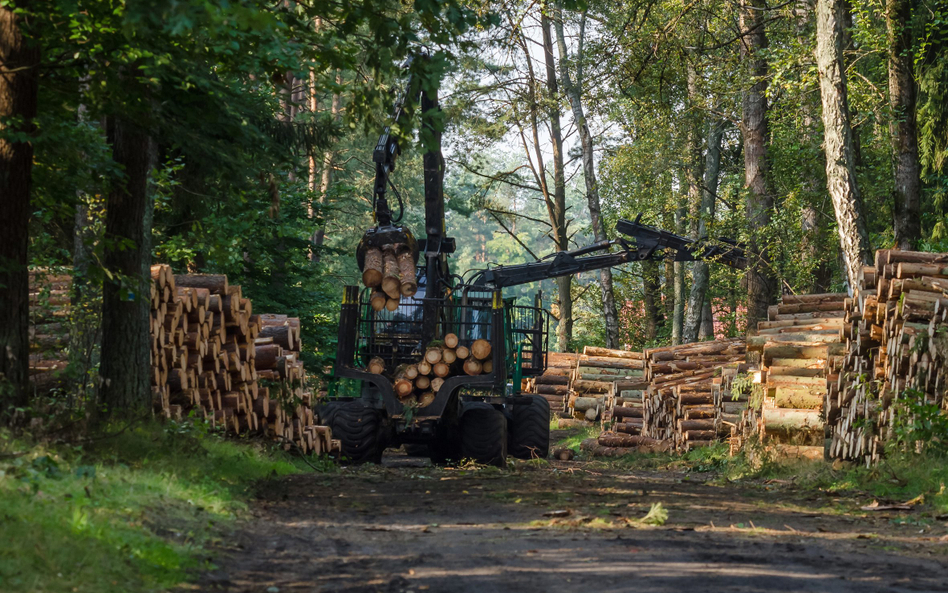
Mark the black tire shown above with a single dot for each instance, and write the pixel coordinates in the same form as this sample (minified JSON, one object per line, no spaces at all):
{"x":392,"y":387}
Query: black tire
{"x":483,"y":434}
{"x":359,"y":429}
{"x":530,"y":430}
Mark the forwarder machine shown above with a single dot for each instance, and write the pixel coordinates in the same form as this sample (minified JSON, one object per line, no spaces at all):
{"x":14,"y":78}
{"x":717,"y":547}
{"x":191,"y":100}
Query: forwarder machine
{"x":485,"y":416}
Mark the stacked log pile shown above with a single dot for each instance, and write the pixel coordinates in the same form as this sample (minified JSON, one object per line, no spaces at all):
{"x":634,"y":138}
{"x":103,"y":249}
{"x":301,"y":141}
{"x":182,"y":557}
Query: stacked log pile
{"x":417,"y":384}
{"x":896,"y":332}
{"x":798,"y":344}
{"x":210,"y":353}
{"x":49,"y":326}
{"x":679,"y":404}
{"x":600,"y":376}
{"x":553,"y":384}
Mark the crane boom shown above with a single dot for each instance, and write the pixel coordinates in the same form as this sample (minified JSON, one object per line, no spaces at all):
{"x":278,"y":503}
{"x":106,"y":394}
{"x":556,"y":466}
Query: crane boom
{"x":647,"y":242}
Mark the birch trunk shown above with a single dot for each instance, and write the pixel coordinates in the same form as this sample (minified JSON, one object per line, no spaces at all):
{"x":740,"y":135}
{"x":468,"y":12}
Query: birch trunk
{"x":574,"y":92}
{"x":564,"y":330}
{"x":698,"y":304}
{"x":837,"y":141}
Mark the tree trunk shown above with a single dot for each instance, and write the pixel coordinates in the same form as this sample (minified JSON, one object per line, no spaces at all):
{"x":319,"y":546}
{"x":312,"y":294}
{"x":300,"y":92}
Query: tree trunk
{"x":837,"y":141}
{"x":698,"y":303}
{"x":652,"y":296}
{"x":706,"y":331}
{"x":325,"y":176}
{"x":903,"y":127}
{"x":564,"y":330}
{"x":761,"y":283}
{"x":574,"y":92}
{"x":125,"y":368}
{"x":678,"y":282}
{"x":19,"y":60}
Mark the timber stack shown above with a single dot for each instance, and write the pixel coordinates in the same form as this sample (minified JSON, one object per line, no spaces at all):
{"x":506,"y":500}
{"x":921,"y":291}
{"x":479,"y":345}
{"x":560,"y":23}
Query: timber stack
{"x":896,"y":331}
{"x":553,"y":384}
{"x":679,"y":404}
{"x":602,"y":375}
{"x":209,"y":353}
{"x":799,"y":346}
{"x":49,"y":326}
{"x":417,"y":384}
{"x":241,"y":370}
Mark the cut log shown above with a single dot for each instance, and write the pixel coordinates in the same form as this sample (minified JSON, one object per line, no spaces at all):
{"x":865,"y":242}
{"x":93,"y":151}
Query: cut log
{"x":609,"y":353}
{"x":441,"y":369}
{"x":403,"y":387}
{"x":436,"y":384}
{"x":487,"y":366}
{"x":480,"y":349}
{"x":372,"y":270}
{"x":426,"y":399}
{"x":463,"y":352}
{"x":422,"y":382}
{"x":411,"y":371}
{"x":406,"y":273}
{"x":391,"y":283}
{"x":451,"y":340}
{"x":376,"y":366}
{"x":433,"y":355}
{"x":424,"y":367}
{"x":472,"y":366}
{"x":391,"y":305}
{"x":378,"y":300}
{"x":449,"y":356}
{"x":215,"y":283}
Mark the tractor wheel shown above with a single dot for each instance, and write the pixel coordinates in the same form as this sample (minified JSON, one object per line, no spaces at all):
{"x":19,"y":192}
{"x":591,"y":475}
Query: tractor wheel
{"x":530,"y":430}
{"x":483,"y":434}
{"x":359,"y":429}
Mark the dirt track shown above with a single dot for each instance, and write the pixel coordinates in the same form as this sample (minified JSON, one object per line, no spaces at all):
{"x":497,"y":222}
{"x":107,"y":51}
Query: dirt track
{"x":398,"y":529}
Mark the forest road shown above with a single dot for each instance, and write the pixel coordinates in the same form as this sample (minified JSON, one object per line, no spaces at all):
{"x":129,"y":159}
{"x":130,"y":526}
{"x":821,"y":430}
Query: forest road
{"x":569,"y":527}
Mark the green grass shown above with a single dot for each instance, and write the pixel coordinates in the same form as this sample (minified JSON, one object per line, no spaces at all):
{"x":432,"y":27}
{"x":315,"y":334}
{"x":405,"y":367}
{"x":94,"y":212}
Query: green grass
{"x":134,"y":512}
{"x":573,"y":440}
{"x":899,"y":476}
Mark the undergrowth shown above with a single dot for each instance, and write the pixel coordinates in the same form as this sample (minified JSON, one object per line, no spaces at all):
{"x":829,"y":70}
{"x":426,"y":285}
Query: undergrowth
{"x":573,"y":440}
{"x":135,"y":511}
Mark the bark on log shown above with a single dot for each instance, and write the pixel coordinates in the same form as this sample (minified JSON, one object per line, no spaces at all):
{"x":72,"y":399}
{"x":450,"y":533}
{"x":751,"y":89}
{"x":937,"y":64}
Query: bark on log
{"x":406,"y":273}
{"x":391,"y":283}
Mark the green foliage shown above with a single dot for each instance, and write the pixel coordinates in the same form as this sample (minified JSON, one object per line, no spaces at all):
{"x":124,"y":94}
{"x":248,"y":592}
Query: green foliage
{"x":135,"y":511}
{"x":919,"y":425}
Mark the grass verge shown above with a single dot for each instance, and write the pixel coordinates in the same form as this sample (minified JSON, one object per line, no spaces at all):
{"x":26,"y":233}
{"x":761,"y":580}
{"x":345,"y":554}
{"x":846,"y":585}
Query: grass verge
{"x":133,"y":512}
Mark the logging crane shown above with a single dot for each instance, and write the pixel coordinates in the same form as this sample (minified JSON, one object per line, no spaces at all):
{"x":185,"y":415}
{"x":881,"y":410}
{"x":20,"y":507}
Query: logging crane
{"x":439,"y":358}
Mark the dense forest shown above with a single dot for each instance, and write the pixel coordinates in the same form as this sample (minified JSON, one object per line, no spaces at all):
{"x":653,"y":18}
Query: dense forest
{"x":236,"y":138}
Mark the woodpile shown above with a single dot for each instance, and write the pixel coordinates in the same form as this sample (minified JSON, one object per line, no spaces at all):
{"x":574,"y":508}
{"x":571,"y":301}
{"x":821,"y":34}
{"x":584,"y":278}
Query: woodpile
{"x":553,"y":384}
{"x":417,"y":384}
{"x":896,"y":339}
{"x":210,"y":353}
{"x":602,"y":375}
{"x":682,"y":404}
{"x":390,"y":272}
{"x":49,"y":326}
{"x":798,"y":345}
